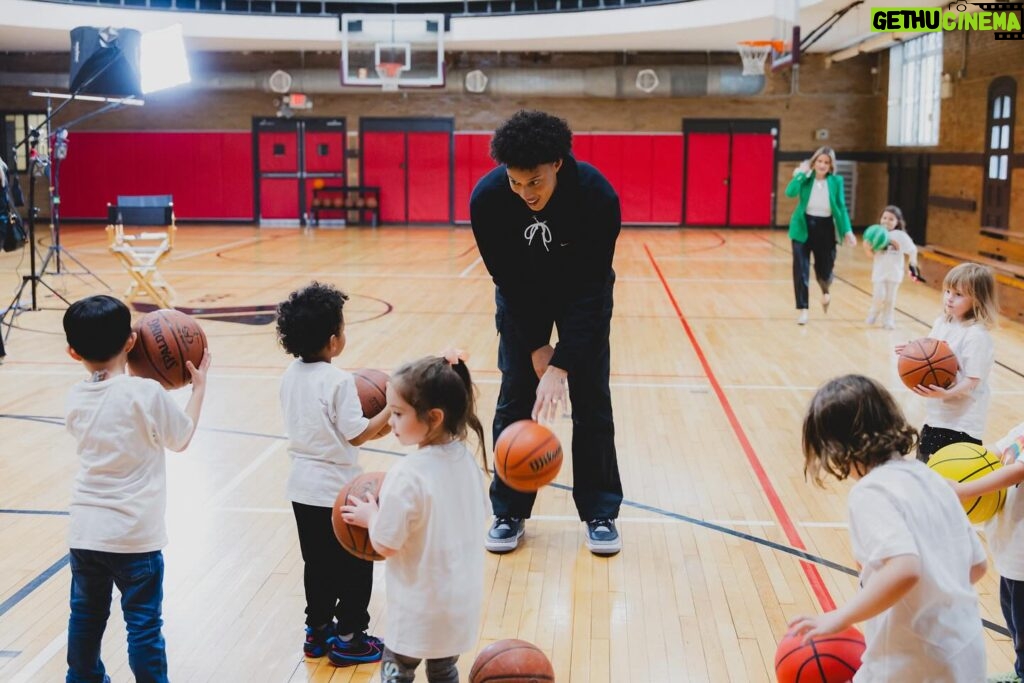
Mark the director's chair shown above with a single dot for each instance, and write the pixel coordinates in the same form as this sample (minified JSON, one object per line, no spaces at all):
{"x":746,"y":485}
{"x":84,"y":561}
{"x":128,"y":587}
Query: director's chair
{"x":141,"y":253}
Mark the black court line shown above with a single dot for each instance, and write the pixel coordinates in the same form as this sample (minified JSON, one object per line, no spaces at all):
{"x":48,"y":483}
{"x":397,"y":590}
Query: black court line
{"x":27,"y":589}
{"x":9,"y":653}
{"x":33,"y":512}
{"x":796,"y":552}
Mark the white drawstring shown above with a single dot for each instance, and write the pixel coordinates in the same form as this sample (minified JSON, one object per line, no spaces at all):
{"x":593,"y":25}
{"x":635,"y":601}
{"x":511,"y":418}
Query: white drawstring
{"x":545,"y":232}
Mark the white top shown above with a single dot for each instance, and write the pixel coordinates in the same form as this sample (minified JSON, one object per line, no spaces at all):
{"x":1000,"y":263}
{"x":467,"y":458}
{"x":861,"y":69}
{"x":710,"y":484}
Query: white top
{"x":321,"y":413}
{"x":434,"y":511}
{"x":934,"y":632}
{"x":975,"y":352}
{"x":888,"y":265}
{"x":818,"y":203}
{"x":119,"y":497}
{"x":1006,"y":530}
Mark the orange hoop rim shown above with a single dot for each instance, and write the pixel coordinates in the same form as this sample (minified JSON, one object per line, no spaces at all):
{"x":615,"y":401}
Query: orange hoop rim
{"x":777,"y":45}
{"x":390,"y":69}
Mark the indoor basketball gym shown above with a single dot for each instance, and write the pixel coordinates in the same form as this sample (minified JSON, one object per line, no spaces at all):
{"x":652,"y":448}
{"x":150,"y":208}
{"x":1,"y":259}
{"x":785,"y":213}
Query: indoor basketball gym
{"x":340,"y":142}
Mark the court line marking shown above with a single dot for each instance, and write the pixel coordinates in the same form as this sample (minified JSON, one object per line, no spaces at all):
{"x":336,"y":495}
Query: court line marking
{"x":465,"y":272}
{"x":210,"y":250}
{"x":28,"y":672}
{"x":788,"y":528}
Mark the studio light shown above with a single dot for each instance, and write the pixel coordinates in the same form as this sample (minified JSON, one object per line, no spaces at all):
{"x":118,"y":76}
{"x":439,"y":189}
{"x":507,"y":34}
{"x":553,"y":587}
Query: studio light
{"x":164,"y":63}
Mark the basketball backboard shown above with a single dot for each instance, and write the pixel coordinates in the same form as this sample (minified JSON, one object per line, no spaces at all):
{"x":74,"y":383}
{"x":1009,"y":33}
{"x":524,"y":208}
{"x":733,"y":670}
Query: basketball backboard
{"x":787,"y":30}
{"x":392,"y":50}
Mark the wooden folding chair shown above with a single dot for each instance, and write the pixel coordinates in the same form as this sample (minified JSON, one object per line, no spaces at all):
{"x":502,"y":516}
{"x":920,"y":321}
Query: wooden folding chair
{"x":141,"y":253}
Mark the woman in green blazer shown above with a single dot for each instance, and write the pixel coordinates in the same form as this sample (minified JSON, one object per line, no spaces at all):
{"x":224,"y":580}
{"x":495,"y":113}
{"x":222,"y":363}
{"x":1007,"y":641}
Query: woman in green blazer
{"x":820,"y":215}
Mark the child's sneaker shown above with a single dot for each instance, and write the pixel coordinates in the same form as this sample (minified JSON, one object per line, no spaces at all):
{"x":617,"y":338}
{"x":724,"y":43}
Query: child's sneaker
{"x":1008,"y":677}
{"x":362,"y":649}
{"x":316,"y":640}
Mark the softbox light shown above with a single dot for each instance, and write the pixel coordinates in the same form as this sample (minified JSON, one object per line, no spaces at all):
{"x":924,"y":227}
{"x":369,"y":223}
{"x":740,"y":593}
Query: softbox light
{"x":106,"y":61}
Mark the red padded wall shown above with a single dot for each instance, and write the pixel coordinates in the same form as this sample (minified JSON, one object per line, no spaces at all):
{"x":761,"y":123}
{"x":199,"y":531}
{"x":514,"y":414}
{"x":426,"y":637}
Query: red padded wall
{"x":383,"y":156}
{"x":751,"y":179}
{"x":707,"y":178}
{"x":209,"y":174}
{"x":429,"y":173}
{"x":472,"y":161}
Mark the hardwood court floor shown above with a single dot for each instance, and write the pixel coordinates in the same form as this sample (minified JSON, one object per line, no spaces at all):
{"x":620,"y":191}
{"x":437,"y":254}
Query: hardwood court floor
{"x":711,"y":376}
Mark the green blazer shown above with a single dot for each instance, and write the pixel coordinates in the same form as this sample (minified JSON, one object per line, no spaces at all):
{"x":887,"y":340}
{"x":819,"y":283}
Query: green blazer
{"x":800,"y":187}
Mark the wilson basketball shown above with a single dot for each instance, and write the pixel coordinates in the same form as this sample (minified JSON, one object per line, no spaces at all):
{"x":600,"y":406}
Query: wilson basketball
{"x":166,"y":339}
{"x":371,"y":386}
{"x":356,"y":539}
{"x":927,"y":361}
{"x":511,"y":661}
{"x":966,"y":462}
{"x":827,"y":659}
{"x":527,"y":456}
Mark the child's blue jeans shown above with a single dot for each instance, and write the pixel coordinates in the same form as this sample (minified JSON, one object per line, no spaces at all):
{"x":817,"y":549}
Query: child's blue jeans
{"x":140,"y":578}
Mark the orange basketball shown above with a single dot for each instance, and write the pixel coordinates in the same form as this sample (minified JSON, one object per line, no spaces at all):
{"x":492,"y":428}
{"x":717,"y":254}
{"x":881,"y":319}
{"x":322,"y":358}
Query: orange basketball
{"x":166,"y":339}
{"x":527,"y":456}
{"x":511,"y":661}
{"x":371,"y":385}
{"x":356,"y":539}
{"x":928,"y":361}
{"x":318,"y":184}
{"x":825,"y":659}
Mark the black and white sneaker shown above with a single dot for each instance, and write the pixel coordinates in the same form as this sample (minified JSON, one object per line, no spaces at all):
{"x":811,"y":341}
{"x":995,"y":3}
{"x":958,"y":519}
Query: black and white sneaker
{"x":602,"y":537}
{"x":505,"y":534}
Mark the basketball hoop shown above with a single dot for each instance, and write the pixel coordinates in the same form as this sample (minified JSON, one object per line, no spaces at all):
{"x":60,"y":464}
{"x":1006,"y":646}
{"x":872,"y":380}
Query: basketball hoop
{"x":390,"y":73}
{"x":754,"y":53}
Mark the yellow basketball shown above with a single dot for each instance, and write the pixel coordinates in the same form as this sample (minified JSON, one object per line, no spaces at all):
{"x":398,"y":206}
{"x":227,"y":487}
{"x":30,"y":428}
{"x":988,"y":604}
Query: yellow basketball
{"x":966,"y":462}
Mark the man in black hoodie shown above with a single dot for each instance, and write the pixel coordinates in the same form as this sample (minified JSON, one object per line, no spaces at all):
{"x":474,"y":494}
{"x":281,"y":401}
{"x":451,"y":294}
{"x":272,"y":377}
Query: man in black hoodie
{"x":546,"y":227}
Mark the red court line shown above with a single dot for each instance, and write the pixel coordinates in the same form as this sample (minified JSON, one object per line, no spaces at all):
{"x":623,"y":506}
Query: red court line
{"x":817,"y":585}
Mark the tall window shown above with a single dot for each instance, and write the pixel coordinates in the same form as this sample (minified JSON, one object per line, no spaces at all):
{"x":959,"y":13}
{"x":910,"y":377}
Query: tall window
{"x":16,"y":127}
{"x":995,"y":205}
{"x":915,"y":73}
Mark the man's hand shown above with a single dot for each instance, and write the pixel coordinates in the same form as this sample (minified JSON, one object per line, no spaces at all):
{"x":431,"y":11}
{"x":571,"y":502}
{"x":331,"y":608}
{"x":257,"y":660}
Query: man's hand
{"x":550,"y":392}
{"x":541,"y":357}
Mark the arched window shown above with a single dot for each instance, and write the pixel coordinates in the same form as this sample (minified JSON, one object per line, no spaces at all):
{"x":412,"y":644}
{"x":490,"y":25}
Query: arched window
{"x":1002,"y":110}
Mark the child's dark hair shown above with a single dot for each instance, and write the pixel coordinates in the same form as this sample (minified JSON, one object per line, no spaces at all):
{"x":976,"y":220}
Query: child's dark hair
{"x":896,"y":211}
{"x":309,"y":317}
{"x":531,"y":138}
{"x":853,"y":422}
{"x":433,"y":382}
{"x":97,"y":327}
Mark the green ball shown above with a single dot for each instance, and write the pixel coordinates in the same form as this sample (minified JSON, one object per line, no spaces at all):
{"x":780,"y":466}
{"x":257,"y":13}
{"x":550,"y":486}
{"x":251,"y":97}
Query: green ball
{"x":877,"y":237}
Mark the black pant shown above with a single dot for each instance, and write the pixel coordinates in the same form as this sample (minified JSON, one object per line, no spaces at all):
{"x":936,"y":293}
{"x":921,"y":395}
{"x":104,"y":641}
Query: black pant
{"x":821,"y":241}
{"x":338,"y":584}
{"x":597,"y":489}
{"x":934,"y":438}
{"x":1011,"y":599}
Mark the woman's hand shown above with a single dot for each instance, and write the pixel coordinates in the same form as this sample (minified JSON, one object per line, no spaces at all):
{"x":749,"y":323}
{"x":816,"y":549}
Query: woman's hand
{"x":550,"y":392}
{"x":850,"y":239}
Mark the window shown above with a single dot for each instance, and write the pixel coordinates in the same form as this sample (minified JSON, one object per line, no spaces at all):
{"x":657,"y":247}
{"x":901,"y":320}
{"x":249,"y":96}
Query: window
{"x":915,"y":73}
{"x":16,"y":127}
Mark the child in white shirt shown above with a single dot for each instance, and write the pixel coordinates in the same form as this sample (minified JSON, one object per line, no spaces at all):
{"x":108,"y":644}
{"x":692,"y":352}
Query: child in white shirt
{"x":918,"y":553}
{"x":888,"y":267}
{"x":433,"y":506}
{"x":122,"y":425}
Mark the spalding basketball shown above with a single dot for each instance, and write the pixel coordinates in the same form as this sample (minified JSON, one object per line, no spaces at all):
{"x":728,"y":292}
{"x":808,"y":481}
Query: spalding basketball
{"x":166,"y":339}
{"x":356,"y":539}
{"x":371,"y":386}
{"x":511,"y":661}
{"x":927,"y":361}
{"x":966,"y":462}
{"x":824,"y":659}
{"x":527,"y":455}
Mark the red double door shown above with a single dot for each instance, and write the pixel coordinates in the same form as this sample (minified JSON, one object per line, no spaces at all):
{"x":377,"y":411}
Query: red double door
{"x":411,"y":161}
{"x":729,"y":172}
{"x":291,"y":156}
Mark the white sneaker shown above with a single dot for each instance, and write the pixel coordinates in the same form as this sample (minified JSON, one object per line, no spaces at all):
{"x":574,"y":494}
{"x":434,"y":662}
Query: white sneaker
{"x":870,"y":320}
{"x":802,"y":318}
{"x":889,"y":325}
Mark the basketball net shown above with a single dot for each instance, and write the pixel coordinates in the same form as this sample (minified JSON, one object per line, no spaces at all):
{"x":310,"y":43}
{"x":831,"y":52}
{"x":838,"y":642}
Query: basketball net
{"x":754,"y":53}
{"x":390,"y":73}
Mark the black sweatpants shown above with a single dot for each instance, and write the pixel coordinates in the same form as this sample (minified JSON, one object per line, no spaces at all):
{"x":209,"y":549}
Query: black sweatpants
{"x":821,"y":241}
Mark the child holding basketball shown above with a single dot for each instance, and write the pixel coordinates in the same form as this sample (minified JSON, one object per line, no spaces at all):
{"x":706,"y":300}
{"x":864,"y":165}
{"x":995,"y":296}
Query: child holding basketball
{"x":122,"y":425}
{"x":1006,"y":539}
{"x":969,"y":311}
{"x":427,"y":523}
{"x":325,"y":425}
{"x":918,"y":554}
{"x":887,"y":269}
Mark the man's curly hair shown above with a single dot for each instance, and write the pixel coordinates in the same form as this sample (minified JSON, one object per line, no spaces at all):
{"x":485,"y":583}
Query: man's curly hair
{"x":853,"y":422}
{"x":308,"y":318}
{"x":531,"y":138}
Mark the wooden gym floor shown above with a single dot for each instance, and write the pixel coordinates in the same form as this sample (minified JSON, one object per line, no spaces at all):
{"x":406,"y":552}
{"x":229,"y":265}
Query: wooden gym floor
{"x":711,"y":376}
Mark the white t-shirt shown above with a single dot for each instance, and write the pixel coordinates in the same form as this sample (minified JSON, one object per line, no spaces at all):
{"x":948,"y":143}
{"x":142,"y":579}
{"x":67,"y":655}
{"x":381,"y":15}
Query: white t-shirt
{"x":119,"y":497}
{"x":818,"y":203}
{"x":1006,"y":530}
{"x":975,"y":352}
{"x":321,"y":413}
{"x":434,"y":511}
{"x":888,"y":264}
{"x":934,"y":632}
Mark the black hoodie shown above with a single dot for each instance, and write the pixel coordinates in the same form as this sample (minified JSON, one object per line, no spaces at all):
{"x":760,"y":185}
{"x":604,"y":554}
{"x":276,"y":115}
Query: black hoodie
{"x":554,"y":264}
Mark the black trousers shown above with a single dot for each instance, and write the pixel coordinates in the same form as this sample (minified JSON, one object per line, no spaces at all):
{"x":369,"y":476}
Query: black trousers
{"x":934,"y":438}
{"x":821,"y":241}
{"x":1011,"y":599}
{"x":338,"y":584}
{"x":597,"y":488}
